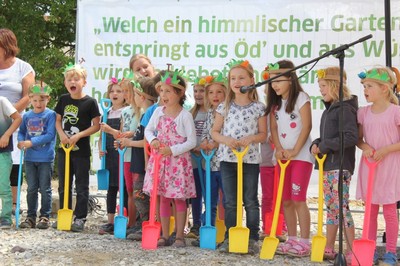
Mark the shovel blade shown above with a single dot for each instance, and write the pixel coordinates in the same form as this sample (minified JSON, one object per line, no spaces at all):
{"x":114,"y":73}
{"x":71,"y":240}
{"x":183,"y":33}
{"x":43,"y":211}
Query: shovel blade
{"x":64,"y":220}
{"x":208,"y":237}
{"x":239,"y":239}
{"x":318,"y":248}
{"x":221,"y":229}
{"x":103,"y":177}
{"x":269,"y":216}
{"x":268,"y":249}
{"x":150,"y":235}
{"x":120,"y":223}
{"x":363,"y":252}
{"x":171,"y":224}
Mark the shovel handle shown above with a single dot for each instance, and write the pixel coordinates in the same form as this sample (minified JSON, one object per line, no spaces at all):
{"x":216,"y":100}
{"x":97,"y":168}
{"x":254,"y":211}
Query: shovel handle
{"x":239,"y":203}
{"x":320,"y":161}
{"x":207,"y":156}
{"x":66,"y":147}
{"x":153,"y":196}
{"x":370,"y":184}
{"x":240,"y":154}
{"x":105,"y":108}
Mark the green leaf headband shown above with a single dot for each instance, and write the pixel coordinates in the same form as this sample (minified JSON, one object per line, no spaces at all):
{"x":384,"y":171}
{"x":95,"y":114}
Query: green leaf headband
{"x":139,"y":89}
{"x":374,"y":75}
{"x":136,"y":85}
{"x":69,"y":67}
{"x":215,"y":79}
{"x":172,"y":81}
{"x":321,"y":74}
{"x":38,"y":90}
{"x":130,"y":75}
{"x":234,"y":63}
{"x":275,"y":69}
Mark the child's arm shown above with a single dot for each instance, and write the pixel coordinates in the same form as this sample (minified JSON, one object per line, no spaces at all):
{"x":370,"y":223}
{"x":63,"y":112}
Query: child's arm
{"x":218,"y":137}
{"x":27,"y":81}
{"x":87,"y":132}
{"x":21,"y":134}
{"x":260,"y":137}
{"x":275,"y":138}
{"x":45,"y":138}
{"x":107,"y":129}
{"x":5,"y":138}
{"x":63,"y":137}
{"x":305,"y":115}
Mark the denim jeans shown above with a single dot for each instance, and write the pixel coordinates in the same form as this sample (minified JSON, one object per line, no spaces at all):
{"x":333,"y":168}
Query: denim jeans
{"x":79,"y":167}
{"x":5,"y":188}
{"x":38,"y":178}
{"x":250,"y":199}
{"x":197,"y":202}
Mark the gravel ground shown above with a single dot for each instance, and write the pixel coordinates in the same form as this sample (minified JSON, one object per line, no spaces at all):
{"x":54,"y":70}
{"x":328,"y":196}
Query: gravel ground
{"x":53,"y":247}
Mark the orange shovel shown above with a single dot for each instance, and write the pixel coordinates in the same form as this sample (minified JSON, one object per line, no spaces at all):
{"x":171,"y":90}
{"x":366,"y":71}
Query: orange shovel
{"x":363,"y":249}
{"x":319,"y":240}
{"x":64,"y":215}
{"x":239,"y":235}
{"x":270,"y":243}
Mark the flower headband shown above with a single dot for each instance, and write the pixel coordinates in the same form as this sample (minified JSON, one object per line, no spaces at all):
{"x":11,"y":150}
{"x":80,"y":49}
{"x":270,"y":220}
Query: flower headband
{"x":200,"y":81}
{"x":374,"y":75}
{"x":234,"y":63}
{"x":273,"y":69}
{"x":321,"y":74}
{"x":219,"y":79}
{"x":39,"y":90}
{"x":172,"y":81}
{"x":114,"y":81}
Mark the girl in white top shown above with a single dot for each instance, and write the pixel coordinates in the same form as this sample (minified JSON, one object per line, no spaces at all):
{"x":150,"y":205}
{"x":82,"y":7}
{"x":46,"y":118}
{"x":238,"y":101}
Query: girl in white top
{"x":290,"y":121}
{"x":240,"y":122}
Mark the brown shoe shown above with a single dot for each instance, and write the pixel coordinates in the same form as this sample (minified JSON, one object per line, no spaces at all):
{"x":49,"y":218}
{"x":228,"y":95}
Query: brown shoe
{"x":28,"y":223}
{"x":43,"y":223}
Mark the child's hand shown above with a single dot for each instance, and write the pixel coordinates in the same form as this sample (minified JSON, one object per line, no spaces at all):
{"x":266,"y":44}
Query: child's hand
{"x":204,"y":145}
{"x":165,"y":150}
{"x":380,"y":154}
{"x":74,"y":139}
{"x":212,"y":145}
{"x":64,"y":139}
{"x":246,"y":141}
{"x":127,"y":134}
{"x":279,"y":154}
{"x":369,"y":152}
{"x":4,"y":141}
{"x":24,"y":144}
{"x":104,"y":127}
{"x":232,"y":143}
{"x":155,"y":144}
{"x":315,"y":149}
{"x":102,"y":153}
{"x":124,"y":142}
{"x":289,"y":154}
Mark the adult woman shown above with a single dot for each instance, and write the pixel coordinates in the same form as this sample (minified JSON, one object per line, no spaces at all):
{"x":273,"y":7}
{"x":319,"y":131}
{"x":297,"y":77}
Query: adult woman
{"x":15,"y":78}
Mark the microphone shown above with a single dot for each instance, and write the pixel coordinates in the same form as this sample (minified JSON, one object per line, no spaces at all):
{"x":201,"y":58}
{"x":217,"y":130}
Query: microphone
{"x":245,"y":89}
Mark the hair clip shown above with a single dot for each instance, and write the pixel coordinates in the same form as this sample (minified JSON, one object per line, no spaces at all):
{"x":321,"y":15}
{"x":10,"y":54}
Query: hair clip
{"x":374,"y":74}
{"x":234,"y":63}
{"x":114,"y":81}
{"x":40,"y":90}
{"x":321,"y":73}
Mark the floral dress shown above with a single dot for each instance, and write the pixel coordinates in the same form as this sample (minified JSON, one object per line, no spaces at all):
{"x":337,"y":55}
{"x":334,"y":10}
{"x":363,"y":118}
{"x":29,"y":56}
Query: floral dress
{"x":176,"y":173}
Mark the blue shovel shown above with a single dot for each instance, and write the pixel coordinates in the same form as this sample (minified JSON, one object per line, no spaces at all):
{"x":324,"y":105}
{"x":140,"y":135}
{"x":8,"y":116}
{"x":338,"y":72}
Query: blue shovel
{"x":103,"y":175}
{"x":120,"y":221}
{"x":19,"y":188}
{"x":208,"y":233}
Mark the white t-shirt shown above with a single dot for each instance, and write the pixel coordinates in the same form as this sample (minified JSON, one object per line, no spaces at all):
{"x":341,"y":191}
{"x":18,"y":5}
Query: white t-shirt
{"x":290,"y":126}
{"x":11,"y":88}
{"x":6,"y":110}
{"x":241,"y":121}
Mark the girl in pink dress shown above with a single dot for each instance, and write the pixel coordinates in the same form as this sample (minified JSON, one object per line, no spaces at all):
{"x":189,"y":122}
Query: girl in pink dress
{"x":379,"y":140}
{"x":172,"y":133}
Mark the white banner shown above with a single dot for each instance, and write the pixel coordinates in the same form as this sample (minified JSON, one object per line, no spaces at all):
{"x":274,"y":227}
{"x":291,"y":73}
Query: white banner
{"x":202,"y":36}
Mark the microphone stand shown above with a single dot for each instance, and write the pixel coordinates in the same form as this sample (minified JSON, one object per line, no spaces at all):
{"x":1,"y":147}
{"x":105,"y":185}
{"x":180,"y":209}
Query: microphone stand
{"x":340,"y":259}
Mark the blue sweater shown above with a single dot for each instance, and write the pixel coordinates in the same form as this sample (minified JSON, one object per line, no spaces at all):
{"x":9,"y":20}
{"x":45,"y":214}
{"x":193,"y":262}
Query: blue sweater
{"x":40,"y":129}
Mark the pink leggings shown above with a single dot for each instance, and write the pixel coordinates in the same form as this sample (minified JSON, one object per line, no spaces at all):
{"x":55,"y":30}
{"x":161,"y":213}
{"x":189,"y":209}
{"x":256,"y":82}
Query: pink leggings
{"x":165,"y":206}
{"x":392,"y":225}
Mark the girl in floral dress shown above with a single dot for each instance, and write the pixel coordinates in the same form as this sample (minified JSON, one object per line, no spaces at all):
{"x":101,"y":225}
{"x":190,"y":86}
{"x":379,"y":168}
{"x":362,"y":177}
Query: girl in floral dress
{"x":171,"y":132}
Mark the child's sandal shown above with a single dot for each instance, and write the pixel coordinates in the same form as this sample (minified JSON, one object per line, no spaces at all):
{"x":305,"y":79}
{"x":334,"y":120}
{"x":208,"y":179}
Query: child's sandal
{"x":299,"y":249}
{"x":283,"y":248}
{"x":179,"y":243}
{"x":163,"y":242}
{"x":329,"y":253}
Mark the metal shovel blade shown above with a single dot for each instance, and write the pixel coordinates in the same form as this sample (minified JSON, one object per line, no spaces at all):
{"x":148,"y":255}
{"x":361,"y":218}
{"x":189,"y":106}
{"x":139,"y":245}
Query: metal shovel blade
{"x":150,"y":234}
{"x":103,"y":177}
{"x":363,"y":252}
{"x":221,"y":229}
{"x":269,"y":246}
{"x":64,"y":219}
{"x":239,"y":239}
{"x":208,"y":237}
{"x":120,"y":223}
{"x":318,"y":248}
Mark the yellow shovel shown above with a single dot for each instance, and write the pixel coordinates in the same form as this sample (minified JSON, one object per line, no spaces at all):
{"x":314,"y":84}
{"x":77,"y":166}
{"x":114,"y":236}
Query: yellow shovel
{"x":220,"y":225}
{"x":319,"y":240}
{"x":64,"y":215}
{"x":239,"y":235}
{"x":270,"y":243}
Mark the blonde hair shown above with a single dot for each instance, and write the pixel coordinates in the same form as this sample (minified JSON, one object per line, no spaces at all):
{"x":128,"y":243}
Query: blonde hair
{"x":196,"y":106}
{"x":334,"y":84}
{"x":207,"y":103}
{"x":253,"y":96}
{"x":76,"y":70}
{"x":126,"y":84}
{"x":389,"y":84}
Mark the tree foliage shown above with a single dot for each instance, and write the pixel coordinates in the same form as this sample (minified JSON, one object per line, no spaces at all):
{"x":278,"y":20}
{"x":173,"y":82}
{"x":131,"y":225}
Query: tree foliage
{"x":45,"y":30}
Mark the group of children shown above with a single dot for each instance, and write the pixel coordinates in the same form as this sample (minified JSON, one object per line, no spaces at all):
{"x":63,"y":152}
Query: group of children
{"x":223,"y":119}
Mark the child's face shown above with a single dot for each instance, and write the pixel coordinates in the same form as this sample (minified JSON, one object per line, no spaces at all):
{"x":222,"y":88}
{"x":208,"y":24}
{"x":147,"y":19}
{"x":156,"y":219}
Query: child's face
{"x":281,"y":86}
{"x":168,"y":95}
{"x":74,"y":84}
{"x":374,"y":91}
{"x":116,"y":96}
{"x":239,"y":77}
{"x":39,"y":102}
{"x":216,"y":95}
{"x":143,"y":68}
{"x":199,"y":93}
{"x":324,"y":90}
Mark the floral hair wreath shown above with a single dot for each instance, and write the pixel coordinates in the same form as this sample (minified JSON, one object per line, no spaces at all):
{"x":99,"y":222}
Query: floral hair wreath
{"x":39,"y":90}
{"x":321,"y":74}
{"x":172,"y":81}
{"x":272,"y":69}
{"x":374,"y":75}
